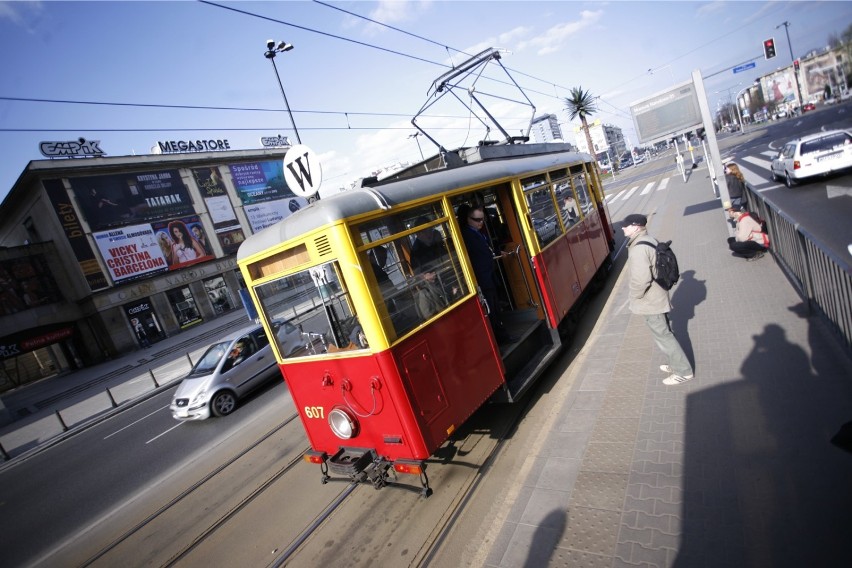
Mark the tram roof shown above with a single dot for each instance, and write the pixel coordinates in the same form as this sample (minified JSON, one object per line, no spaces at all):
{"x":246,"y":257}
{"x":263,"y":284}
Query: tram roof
{"x":464,"y":167}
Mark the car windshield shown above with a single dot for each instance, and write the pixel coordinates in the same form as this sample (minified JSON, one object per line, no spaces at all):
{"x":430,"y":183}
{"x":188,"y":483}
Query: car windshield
{"x":208,"y":362}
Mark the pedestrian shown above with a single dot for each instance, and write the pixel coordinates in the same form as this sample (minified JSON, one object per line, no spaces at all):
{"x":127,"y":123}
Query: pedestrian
{"x":750,"y":242}
{"x":649,"y":299}
{"x":736,"y":183}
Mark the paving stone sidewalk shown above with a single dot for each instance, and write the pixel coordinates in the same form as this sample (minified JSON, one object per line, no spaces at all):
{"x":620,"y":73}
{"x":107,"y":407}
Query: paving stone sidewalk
{"x":733,"y":468}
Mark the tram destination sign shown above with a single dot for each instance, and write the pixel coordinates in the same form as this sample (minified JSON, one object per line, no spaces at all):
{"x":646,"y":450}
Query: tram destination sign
{"x":666,"y":114}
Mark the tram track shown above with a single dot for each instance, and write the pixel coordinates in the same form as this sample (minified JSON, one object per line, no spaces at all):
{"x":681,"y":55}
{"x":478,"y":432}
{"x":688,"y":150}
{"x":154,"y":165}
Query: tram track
{"x":194,"y":489}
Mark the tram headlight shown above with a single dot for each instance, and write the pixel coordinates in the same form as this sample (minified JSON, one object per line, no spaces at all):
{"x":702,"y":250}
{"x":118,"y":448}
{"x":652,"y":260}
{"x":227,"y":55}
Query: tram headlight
{"x":342,"y":424}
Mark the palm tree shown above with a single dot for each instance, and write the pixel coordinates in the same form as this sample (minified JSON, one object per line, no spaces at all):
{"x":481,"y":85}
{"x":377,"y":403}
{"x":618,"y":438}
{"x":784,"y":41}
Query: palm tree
{"x":582,"y":103}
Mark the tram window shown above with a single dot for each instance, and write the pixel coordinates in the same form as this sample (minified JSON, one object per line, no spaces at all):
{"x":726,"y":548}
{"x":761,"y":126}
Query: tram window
{"x":581,"y":188}
{"x":312,"y":312}
{"x":539,"y":197}
{"x":423,"y":272}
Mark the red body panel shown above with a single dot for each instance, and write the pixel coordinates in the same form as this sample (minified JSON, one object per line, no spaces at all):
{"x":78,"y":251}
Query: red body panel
{"x":427,"y":386}
{"x":567,"y":265}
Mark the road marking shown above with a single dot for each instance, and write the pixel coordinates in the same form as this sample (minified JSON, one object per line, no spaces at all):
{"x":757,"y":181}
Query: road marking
{"x":647,"y":188}
{"x":178,"y":425}
{"x":663,"y":184}
{"x":838,"y":191}
{"x":136,"y":422}
{"x":629,"y":193}
{"x":614,"y":197}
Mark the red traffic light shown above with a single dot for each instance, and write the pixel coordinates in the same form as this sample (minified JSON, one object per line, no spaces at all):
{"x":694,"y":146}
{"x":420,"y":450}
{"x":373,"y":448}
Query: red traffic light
{"x":769,"y":48}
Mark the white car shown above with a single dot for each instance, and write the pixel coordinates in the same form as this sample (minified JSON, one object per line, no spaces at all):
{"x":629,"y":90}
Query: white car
{"x":818,"y":154}
{"x":229,"y":369}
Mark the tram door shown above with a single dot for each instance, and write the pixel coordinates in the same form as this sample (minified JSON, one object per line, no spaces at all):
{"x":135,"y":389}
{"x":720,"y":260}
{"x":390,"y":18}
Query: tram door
{"x":517,"y":289}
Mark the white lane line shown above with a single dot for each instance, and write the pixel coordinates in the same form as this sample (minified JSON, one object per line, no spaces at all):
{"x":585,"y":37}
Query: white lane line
{"x":663,"y":184}
{"x":757,"y":161}
{"x":629,"y":193}
{"x":647,"y":188}
{"x":614,"y":197}
{"x":136,"y":422}
{"x":179,"y":424}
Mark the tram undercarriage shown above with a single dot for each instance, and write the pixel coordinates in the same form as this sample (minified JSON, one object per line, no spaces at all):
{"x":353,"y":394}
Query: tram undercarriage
{"x":358,"y":465}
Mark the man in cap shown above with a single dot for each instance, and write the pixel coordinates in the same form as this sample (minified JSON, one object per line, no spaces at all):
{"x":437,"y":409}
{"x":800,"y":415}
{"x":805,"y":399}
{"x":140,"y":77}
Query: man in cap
{"x":649,"y":299}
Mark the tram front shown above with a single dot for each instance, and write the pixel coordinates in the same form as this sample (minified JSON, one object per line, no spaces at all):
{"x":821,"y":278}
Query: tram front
{"x":395,"y":351}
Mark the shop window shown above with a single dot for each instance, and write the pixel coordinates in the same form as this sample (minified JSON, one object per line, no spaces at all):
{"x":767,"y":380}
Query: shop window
{"x":219,"y":294}
{"x":184,"y":307}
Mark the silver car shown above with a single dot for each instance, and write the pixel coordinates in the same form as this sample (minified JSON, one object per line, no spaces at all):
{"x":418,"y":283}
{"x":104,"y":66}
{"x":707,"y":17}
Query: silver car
{"x":229,"y":369}
{"x":818,"y":154}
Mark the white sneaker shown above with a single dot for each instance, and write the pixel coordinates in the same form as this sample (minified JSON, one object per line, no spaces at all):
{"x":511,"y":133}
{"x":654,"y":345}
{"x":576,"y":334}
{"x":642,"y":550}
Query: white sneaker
{"x":673,"y":379}
{"x":666,"y":369}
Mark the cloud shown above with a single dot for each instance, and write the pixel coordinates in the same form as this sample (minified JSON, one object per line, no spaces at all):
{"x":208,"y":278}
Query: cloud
{"x":555,"y":38}
{"x":20,"y":13}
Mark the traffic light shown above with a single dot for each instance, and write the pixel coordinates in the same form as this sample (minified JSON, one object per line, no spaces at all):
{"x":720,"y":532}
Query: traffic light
{"x":769,"y":48}
{"x":796,"y":65}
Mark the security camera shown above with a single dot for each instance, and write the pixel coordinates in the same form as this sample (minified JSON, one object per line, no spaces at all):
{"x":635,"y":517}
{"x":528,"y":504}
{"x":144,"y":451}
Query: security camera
{"x":270,"y":43}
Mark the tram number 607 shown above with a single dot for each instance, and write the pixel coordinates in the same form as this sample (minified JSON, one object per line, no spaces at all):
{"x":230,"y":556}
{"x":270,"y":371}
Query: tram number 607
{"x":315,"y":412}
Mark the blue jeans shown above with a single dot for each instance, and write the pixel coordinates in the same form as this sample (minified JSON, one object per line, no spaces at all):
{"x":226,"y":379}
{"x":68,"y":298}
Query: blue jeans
{"x":667,"y":342}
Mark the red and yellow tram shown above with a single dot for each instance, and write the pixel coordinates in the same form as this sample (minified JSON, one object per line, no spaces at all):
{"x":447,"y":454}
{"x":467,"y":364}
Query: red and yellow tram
{"x":398,"y":350}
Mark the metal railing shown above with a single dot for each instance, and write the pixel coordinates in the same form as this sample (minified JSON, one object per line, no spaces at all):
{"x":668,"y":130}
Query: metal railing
{"x":821,"y":277}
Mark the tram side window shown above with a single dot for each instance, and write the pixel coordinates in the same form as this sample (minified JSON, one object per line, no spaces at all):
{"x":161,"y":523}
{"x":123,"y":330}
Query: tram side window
{"x":581,"y":187}
{"x":421,"y":275}
{"x":539,"y":197}
{"x":311,"y":312}
{"x":566,"y":199}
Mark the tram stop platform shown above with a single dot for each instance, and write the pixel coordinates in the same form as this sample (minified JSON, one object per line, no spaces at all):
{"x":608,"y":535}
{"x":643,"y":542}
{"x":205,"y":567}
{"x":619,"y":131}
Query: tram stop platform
{"x":733,"y":468}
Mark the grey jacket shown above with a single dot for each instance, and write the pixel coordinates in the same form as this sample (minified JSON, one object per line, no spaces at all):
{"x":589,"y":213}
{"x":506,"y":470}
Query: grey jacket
{"x":646,"y":296}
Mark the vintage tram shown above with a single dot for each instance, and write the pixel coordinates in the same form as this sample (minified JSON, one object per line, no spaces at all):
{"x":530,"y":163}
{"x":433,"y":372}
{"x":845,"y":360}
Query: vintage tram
{"x":398,"y":350}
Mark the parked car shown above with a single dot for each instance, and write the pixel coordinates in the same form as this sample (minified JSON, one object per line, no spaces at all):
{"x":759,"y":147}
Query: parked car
{"x":229,"y":369}
{"x":817,"y":154}
{"x":545,"y":229}
{"x":626,"y":162}
{"x":808,"y":106}
{"x":781,"y":113}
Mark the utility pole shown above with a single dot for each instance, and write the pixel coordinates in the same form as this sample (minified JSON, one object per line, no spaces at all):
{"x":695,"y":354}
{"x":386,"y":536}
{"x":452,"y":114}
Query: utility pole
{"x":792,"y":61}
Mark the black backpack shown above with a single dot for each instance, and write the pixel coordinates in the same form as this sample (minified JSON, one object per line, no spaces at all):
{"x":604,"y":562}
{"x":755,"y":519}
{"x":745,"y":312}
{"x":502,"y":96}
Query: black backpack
{"x":665,"y":264}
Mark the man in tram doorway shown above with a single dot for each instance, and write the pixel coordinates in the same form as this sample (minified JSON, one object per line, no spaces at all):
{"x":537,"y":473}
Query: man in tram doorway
{"x":472,"y":220}
{"x":649,"y":299}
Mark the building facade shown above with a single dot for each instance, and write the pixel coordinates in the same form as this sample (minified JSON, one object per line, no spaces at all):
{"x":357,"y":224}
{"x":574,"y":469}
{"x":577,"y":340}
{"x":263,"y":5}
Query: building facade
{"x":104,"y":255}
{"x":546,"y":129}
{"x":608,"y":140}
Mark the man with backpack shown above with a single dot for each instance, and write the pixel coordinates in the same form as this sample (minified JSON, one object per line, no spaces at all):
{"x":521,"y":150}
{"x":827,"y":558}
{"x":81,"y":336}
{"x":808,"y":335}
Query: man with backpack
{"x":652,"y":271}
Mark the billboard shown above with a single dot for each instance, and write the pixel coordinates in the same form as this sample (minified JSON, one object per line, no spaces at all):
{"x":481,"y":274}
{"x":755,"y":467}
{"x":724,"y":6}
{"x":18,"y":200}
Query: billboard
{"x":666,"y":114}
{"x":264,"y":193}
{"x":225,"y":224}
{"x":126,"y":199}
{"x":141,"y":250}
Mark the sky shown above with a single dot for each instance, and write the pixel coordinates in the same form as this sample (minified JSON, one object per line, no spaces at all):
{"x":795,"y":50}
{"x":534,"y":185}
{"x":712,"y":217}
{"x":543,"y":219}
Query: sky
{"x":360,"y":71}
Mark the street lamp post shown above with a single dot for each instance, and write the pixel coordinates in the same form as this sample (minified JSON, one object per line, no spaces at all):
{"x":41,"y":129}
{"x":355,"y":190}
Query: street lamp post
{"x":792,"y":60}
{"x":271,"y":51}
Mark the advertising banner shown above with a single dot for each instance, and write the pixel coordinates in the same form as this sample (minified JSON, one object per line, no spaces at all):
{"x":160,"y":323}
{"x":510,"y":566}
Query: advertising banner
{"x":780,"y":87}
{"x":67,"y":215}
{"x":131,"y":252}
{"x":218,"y":203}
{"x":262,"y":215}
{"x":183,"y":242}
{"x":126,"y":199}
{"x":260,"y":181}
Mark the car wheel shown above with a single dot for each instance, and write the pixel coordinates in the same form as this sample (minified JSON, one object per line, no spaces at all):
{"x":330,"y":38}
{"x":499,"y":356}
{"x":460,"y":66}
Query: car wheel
{"x":788,"y":180}
{"x":223,"y":403}
{"x":774,"y":175}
